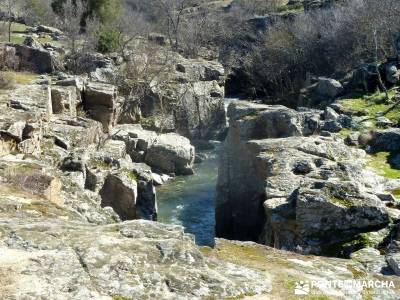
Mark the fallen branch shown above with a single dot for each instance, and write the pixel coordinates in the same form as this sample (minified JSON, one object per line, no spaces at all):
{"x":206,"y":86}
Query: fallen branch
{"x":393,"y":106}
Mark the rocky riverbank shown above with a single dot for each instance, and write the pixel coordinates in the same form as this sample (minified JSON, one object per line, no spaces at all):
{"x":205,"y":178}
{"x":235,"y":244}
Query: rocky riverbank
{"x":287,"y":182}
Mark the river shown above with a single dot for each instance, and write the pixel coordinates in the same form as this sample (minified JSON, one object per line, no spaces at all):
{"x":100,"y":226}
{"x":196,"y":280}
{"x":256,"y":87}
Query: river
{"x":189,"y":200}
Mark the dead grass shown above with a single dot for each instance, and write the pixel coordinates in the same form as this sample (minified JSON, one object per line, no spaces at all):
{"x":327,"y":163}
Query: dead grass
{"x":6,"y":280}
{"x":8,"y":79}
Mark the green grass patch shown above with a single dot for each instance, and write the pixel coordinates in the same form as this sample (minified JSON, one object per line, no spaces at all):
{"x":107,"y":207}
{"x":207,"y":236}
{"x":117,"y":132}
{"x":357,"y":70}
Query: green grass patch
{"x":362,"y":240}
{"x":345,"y":132}
{"x":340,"y":201}
{"x":24,"y":77}
{"x":20,"y":38}
{"x":99,"y":163}
{"x":291,"y":8}
{"x":380,"y":163}
{"x":18,"y":28}
{"x":120,"y":298}
{"x":395,"y":193}
{"x":44,"y":39}
{"x":132,"y":175}
{"x":371,"y":105}
{"x":15,"y":39}
{"x":17,"y":33}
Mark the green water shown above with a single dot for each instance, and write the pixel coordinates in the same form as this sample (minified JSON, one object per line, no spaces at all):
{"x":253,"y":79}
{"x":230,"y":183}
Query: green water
{"x":189,"y":200}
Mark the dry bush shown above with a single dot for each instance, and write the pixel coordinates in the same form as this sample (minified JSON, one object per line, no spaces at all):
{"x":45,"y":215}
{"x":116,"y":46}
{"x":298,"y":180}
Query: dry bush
{"x":7,"y":80}
{"x":202,"y":31}
{"x":80,"y":40}
{"x":257,"y":7}
{"x":327,"y":42}
{"x":187,"y":26}
{"x":130,"y":26}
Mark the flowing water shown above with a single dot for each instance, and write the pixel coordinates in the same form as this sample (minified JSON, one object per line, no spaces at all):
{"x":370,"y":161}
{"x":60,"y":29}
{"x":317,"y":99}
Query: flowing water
{"x":189,"y":200}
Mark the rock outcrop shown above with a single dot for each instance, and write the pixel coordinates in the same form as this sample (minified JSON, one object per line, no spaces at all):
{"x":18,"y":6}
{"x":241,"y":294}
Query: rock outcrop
{"x":171,"y":153}
{"x":168,"y":153}
{"x":186,"y":97}
{"x":189,"y":101}
{"x":321,"y":91}
{"x":42,"y":122}
{"x":27,"y":58}
{"x":386,"y":140}
{"x":101,"y":102}
{"x":65,"y":99}
{"x":282,"y":188}
{"x":48,"y":251}
{"x":51,"y":250}
{"x":120,"y":193}
{"x":71,"y":185}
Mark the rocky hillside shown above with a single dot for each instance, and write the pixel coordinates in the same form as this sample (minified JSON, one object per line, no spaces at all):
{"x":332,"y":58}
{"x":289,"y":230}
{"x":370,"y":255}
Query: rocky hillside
{"x":83,"y":149}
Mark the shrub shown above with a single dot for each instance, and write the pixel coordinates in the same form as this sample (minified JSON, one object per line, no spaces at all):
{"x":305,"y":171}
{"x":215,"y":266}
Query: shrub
{"x":108,"y":40}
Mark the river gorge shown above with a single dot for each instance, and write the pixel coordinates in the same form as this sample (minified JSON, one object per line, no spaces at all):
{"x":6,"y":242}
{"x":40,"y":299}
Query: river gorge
{"x":133,"y":175}
{"x":189,"y":200}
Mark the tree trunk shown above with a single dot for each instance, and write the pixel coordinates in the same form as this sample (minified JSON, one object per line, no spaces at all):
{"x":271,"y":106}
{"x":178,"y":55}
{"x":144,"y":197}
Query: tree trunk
{"x":9,"y":29}
{"x":382,"y":85}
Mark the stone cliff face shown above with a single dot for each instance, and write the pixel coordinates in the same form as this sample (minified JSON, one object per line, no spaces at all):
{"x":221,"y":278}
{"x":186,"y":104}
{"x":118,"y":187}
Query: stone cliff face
{"x":190,"y":100}
{"x":29,"y":57}
{"x":119,"y":163}
{"x":240,"y":192}
{"x":281,"y":186}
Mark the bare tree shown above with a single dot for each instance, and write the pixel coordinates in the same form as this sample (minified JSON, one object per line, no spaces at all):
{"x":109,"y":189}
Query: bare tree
{"x":69,"y":20}
{"x":145,"y":82}
{"x":11,"y":8}
{"x":321,"y":42}
{"x":81,"y":40}
{"x":130,"y":26}
{"x":146,"y":68}
{"x":38,"y":12}
{"x":201,"y":31}
{"x":174,"y":13}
